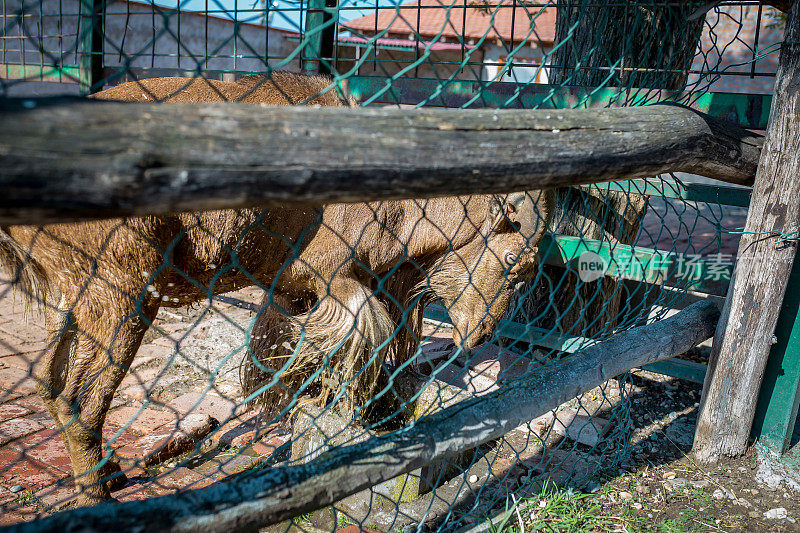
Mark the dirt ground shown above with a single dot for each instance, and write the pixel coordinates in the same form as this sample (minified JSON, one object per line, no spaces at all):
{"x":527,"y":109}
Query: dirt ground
{"x":665,"y":489}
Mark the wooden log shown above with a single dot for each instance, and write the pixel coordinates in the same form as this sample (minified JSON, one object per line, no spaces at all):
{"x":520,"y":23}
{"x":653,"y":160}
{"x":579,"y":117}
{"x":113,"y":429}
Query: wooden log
{"x":100,"y":159}
{"x":763,"y":265}
{"x":271,"y":495}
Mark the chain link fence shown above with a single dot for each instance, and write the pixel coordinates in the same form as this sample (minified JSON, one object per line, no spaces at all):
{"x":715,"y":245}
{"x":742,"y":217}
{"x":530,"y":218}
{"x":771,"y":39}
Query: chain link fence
{"x":170,"y":353}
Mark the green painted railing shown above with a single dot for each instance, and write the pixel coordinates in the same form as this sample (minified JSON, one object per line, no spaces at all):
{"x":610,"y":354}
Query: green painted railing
{"x":747,"y":110}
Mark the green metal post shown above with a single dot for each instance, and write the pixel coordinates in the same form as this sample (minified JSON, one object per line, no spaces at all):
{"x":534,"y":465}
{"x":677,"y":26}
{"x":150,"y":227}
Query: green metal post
{"x":322,"y":19}
{"x":776,"y":413}
{"x":90,"y":47}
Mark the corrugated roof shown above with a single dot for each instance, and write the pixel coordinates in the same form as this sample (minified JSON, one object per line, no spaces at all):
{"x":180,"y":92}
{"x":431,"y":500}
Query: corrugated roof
{"x":450,"y":18}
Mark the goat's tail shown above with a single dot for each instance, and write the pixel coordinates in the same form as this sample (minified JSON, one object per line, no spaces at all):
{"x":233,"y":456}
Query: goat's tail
{"x":346,"y":337}
{"x":25,"y":273}
{"x":334,"y":351}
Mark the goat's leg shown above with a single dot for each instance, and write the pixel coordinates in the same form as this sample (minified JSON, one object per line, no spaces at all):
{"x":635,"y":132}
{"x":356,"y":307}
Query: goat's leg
{"x":50,"y":370}
{"x":101,"y":361}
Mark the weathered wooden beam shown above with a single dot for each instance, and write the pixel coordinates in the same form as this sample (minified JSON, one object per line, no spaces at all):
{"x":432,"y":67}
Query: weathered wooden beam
{"x":745,"y":335}
{"x":98,"y":159}
{"x":271,"y":495}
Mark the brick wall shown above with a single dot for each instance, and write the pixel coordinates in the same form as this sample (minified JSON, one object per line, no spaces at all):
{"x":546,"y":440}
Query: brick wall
{"x":727,"y":48}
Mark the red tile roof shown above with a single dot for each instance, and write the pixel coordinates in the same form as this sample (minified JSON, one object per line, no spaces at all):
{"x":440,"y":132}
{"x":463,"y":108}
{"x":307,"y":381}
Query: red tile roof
{"x":404,"y":43}
{"x":450,"y":19}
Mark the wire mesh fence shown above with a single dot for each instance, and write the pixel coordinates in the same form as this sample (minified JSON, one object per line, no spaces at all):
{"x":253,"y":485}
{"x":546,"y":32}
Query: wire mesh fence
{"x":172,"y":352}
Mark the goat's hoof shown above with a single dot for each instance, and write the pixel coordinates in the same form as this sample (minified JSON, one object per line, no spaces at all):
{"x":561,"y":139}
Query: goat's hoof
{"x":113,"y":477}
{"x":87,"y":498}
{"x":118,"y":482}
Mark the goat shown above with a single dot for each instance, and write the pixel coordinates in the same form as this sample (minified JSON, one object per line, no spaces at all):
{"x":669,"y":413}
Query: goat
{"x":107,"y":279}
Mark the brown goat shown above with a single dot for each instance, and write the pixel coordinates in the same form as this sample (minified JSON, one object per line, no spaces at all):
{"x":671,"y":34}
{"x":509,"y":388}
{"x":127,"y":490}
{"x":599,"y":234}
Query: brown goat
{"x":341,"y":287}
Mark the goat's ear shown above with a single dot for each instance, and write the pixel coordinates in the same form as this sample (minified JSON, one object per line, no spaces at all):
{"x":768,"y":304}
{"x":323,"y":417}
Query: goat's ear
{"x":500,"y":213}
{"x":528,"y":212}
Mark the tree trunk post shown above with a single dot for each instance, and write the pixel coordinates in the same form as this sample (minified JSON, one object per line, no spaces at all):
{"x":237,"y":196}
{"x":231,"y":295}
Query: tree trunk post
{"x":747,"y":330}
{"x":64,"y":162}
{"x":268,"y":496}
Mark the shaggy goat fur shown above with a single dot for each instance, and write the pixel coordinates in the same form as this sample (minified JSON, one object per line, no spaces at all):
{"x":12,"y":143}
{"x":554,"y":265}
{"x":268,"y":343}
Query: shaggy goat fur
{"x":343,"y":278}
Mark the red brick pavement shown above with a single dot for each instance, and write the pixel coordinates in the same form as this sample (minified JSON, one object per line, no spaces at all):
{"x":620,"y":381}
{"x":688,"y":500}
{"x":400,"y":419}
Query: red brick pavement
{"x":35,"y":471}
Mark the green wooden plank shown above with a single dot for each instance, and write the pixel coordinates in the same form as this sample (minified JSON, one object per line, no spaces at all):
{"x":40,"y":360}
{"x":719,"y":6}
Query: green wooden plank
{"x":64,"y":73}
{"x":635,"y":263}
{"x":776,"y":412}
{"x":747,"y":110}
{"x":515,"y":331}
{"x":692,"y":192}
{"x":522,"y":332}
{"x":679,"y":368}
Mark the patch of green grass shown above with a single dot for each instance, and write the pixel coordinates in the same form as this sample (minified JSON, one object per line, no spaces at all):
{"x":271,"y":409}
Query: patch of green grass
{"x":556,"y":510}
{"x":28,"y":498}
{"x":701,"y":498}
{"x":689,"y":521}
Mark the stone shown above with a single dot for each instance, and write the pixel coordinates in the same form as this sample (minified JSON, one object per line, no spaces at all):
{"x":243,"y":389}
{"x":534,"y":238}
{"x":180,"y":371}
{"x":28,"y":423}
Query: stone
{"x":741,"y":502}
{"x":701,"y":483}
{"x":142,"y":391}
{"x":12,"y":410}
{"x":17,"y":428}
{"x":677,"y":482}
{"x":142,"y":421}
{"x":180,"y":478}
{"x":16,"y":488}
{"x":226,"y":464}
{"x":223,"y":409}
{"x":47,"y":448}
{"x":625,"y":495}
{"x":778,"y":513}
{"x":502,"y":365}
{"x":215,"y":344}
{"x":592,"y":487}
{"x":268,"y":444}
{"x":28,"y":473}
{"x":168,"y":442}
{"x":583,"y":429}
{"x":466,"y":379}
{"x":18,"y":381}
{"x":539,"y":425}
